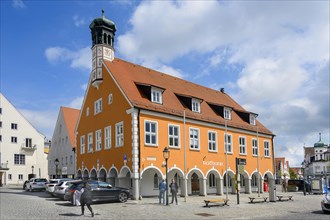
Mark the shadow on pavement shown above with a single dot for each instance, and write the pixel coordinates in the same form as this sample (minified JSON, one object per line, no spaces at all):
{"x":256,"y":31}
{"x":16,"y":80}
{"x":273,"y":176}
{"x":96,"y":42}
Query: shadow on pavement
{"x":70,"y":214}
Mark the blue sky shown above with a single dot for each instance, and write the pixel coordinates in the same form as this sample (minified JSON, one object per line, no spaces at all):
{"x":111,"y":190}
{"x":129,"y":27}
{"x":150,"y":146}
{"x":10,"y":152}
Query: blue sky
{"x":272,"y":57}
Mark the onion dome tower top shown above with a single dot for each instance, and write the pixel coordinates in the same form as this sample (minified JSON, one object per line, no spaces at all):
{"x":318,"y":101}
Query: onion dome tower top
{"x":103,"y":33}
{"x":320,"y":143}
{"x":103,"y":30}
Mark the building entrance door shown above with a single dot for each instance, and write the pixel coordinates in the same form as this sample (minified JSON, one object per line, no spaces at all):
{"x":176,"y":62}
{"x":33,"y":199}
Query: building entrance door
{"x":194,"y":184}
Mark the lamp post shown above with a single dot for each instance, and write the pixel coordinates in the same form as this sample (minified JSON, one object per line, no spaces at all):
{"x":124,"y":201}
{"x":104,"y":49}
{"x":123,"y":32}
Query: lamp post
{"x":32,"y":168}
{"x":56,"y":165}
{"x":166,"y":155}
{"x":303,"y":173}
{"x":226,"y":149}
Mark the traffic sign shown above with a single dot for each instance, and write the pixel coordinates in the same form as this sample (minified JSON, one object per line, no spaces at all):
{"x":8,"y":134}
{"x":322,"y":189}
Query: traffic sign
{"x":240,"y":169}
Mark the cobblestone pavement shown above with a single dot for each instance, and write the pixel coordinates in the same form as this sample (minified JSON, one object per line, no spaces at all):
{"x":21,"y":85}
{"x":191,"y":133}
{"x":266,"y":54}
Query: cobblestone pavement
{"x":18,"y":204}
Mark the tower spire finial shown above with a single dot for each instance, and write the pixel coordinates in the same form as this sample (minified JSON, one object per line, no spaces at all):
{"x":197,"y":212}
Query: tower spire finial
{"x":102,"y":13}
{"x":320,"y":136}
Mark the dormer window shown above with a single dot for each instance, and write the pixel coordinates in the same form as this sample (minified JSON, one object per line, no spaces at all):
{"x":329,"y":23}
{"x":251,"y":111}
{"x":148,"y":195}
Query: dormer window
{"x":252,"y":119}
{"x":195,"y":105}
{"x":156,"y":95}
{"x":227,"y":113}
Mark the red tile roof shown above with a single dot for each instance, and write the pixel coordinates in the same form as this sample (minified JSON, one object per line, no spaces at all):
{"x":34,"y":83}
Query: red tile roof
{"x":71,"y":118}
{"x":129,"y":76}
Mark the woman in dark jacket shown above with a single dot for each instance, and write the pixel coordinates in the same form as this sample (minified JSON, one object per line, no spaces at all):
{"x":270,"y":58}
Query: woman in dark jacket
{"x":86,"y":198}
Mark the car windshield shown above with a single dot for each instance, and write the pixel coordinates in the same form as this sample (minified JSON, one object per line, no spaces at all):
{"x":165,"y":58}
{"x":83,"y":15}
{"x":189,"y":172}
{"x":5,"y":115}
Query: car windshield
{"x":40,"y":180}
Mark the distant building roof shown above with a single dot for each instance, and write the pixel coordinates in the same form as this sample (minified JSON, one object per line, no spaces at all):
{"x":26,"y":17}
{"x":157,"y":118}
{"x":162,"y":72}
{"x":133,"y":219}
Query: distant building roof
{"x":71,"y":118}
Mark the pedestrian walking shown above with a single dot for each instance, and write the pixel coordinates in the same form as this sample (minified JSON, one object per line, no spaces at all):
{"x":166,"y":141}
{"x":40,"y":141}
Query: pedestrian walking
{"x":174,"y":190}
{"x":162,"y":189}
{"x":284,"y":186}
{"x":86,"y":198}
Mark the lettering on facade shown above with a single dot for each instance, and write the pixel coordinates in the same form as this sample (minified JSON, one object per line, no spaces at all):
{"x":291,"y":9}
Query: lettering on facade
{"x":212,"y":163}
{"x":151,"y":158}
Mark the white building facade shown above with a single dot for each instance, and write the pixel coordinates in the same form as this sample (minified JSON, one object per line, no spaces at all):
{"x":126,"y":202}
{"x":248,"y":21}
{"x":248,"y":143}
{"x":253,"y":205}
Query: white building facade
{"x":317,"y":161}
{"x":21,"y":146}
{"x":62,"y":148}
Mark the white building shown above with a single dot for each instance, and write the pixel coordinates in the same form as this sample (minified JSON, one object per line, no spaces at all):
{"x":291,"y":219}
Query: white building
{"x":21,"y":146}
{"x":62,"y":148}
{"x":317,"y":160}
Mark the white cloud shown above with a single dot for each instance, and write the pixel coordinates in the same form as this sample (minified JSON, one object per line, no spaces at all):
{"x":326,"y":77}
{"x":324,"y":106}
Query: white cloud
{"x":76,"y":102}
{"x":78,"y":21}
{"x":79,"y":59}
{"x":266,"y":79}
{"x":282,"y":49}
{"x":18,"y":4}
{"x":45,"y":120}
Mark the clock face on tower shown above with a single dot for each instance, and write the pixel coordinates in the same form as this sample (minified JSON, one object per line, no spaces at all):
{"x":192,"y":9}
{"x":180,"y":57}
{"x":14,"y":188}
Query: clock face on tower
{"x":108,"y":54}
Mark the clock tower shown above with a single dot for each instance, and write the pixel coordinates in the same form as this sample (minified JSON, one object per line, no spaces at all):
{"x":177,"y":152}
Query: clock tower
{"x":103,"y":33}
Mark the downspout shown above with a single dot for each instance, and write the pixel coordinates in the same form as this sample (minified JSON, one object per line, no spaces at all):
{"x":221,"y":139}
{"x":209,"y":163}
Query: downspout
{"x":139,"y":135}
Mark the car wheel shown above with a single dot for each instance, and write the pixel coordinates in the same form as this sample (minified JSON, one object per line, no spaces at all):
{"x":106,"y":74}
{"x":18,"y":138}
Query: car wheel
{"x":122,"y":197}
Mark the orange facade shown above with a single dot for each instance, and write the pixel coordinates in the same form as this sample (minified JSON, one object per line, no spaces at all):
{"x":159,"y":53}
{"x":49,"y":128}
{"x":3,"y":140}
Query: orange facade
{"x":203,"y":158}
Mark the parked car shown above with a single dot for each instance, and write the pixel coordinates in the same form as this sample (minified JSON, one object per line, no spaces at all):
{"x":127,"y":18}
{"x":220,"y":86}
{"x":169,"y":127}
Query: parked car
{"x":325,"y":203}
{"x":300,"y":185}
{"x":100,"y":191}
{"x":36,"y":184}
{"x":59,"y":189}
{"x":50,"y":186}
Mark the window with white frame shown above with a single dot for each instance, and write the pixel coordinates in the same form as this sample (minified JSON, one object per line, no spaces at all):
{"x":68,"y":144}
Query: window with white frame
{"x":13,"y":126}
{"x":156,"y":95}
{"x":90,"y":142}
{"x":120,"y":134}
{"x":82,"y":144}
{"x":20,"y":176}
{"x":242,"y":145}
{"x":98,"y":137}
{"x":228,"y":143}
{"x":212,"y":141}
{"x":13,"y":140}
{"x":19,"y":159}
{"x":212,"y":181}
{"x":227,"y":113}
{"x":28,"y":142}
{"x":150,"y":132}
{"x":194,"y":138}
{"x":107,"y":137}
{"x":195,"y":105}
{"x":110,"y":99}
{"x":87,"y":111}
{"x":266,"y":148}
{"x":254,"y":147}
{"x":98,"y":106}
{"x":252,"y":119}
{"x":173,"y":135}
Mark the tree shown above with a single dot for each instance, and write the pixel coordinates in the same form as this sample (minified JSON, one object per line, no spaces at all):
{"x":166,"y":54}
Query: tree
{"x":292,"y":174}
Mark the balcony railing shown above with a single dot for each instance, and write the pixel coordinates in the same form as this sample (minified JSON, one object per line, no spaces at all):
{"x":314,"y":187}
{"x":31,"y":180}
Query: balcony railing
{"x":4,"y":166}
{"x":33,"y":147}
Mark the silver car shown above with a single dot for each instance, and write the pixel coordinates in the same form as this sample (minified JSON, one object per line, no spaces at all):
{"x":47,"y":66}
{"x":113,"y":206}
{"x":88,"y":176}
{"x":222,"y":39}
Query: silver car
{"x":60,"y":188}
{"x":36,"y":184}
{"x":50,"y":186}
{"x":325,"y":203}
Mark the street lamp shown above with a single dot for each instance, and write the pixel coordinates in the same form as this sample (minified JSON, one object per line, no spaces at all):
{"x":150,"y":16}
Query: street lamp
{"x":303,"y":173}
{"x":166,"y":155}
{"x":56,"y":165}
{"x":32,"y":168}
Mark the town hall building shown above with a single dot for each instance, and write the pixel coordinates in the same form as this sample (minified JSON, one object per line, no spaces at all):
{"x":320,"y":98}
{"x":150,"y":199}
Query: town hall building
{"x":131,"y":113}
